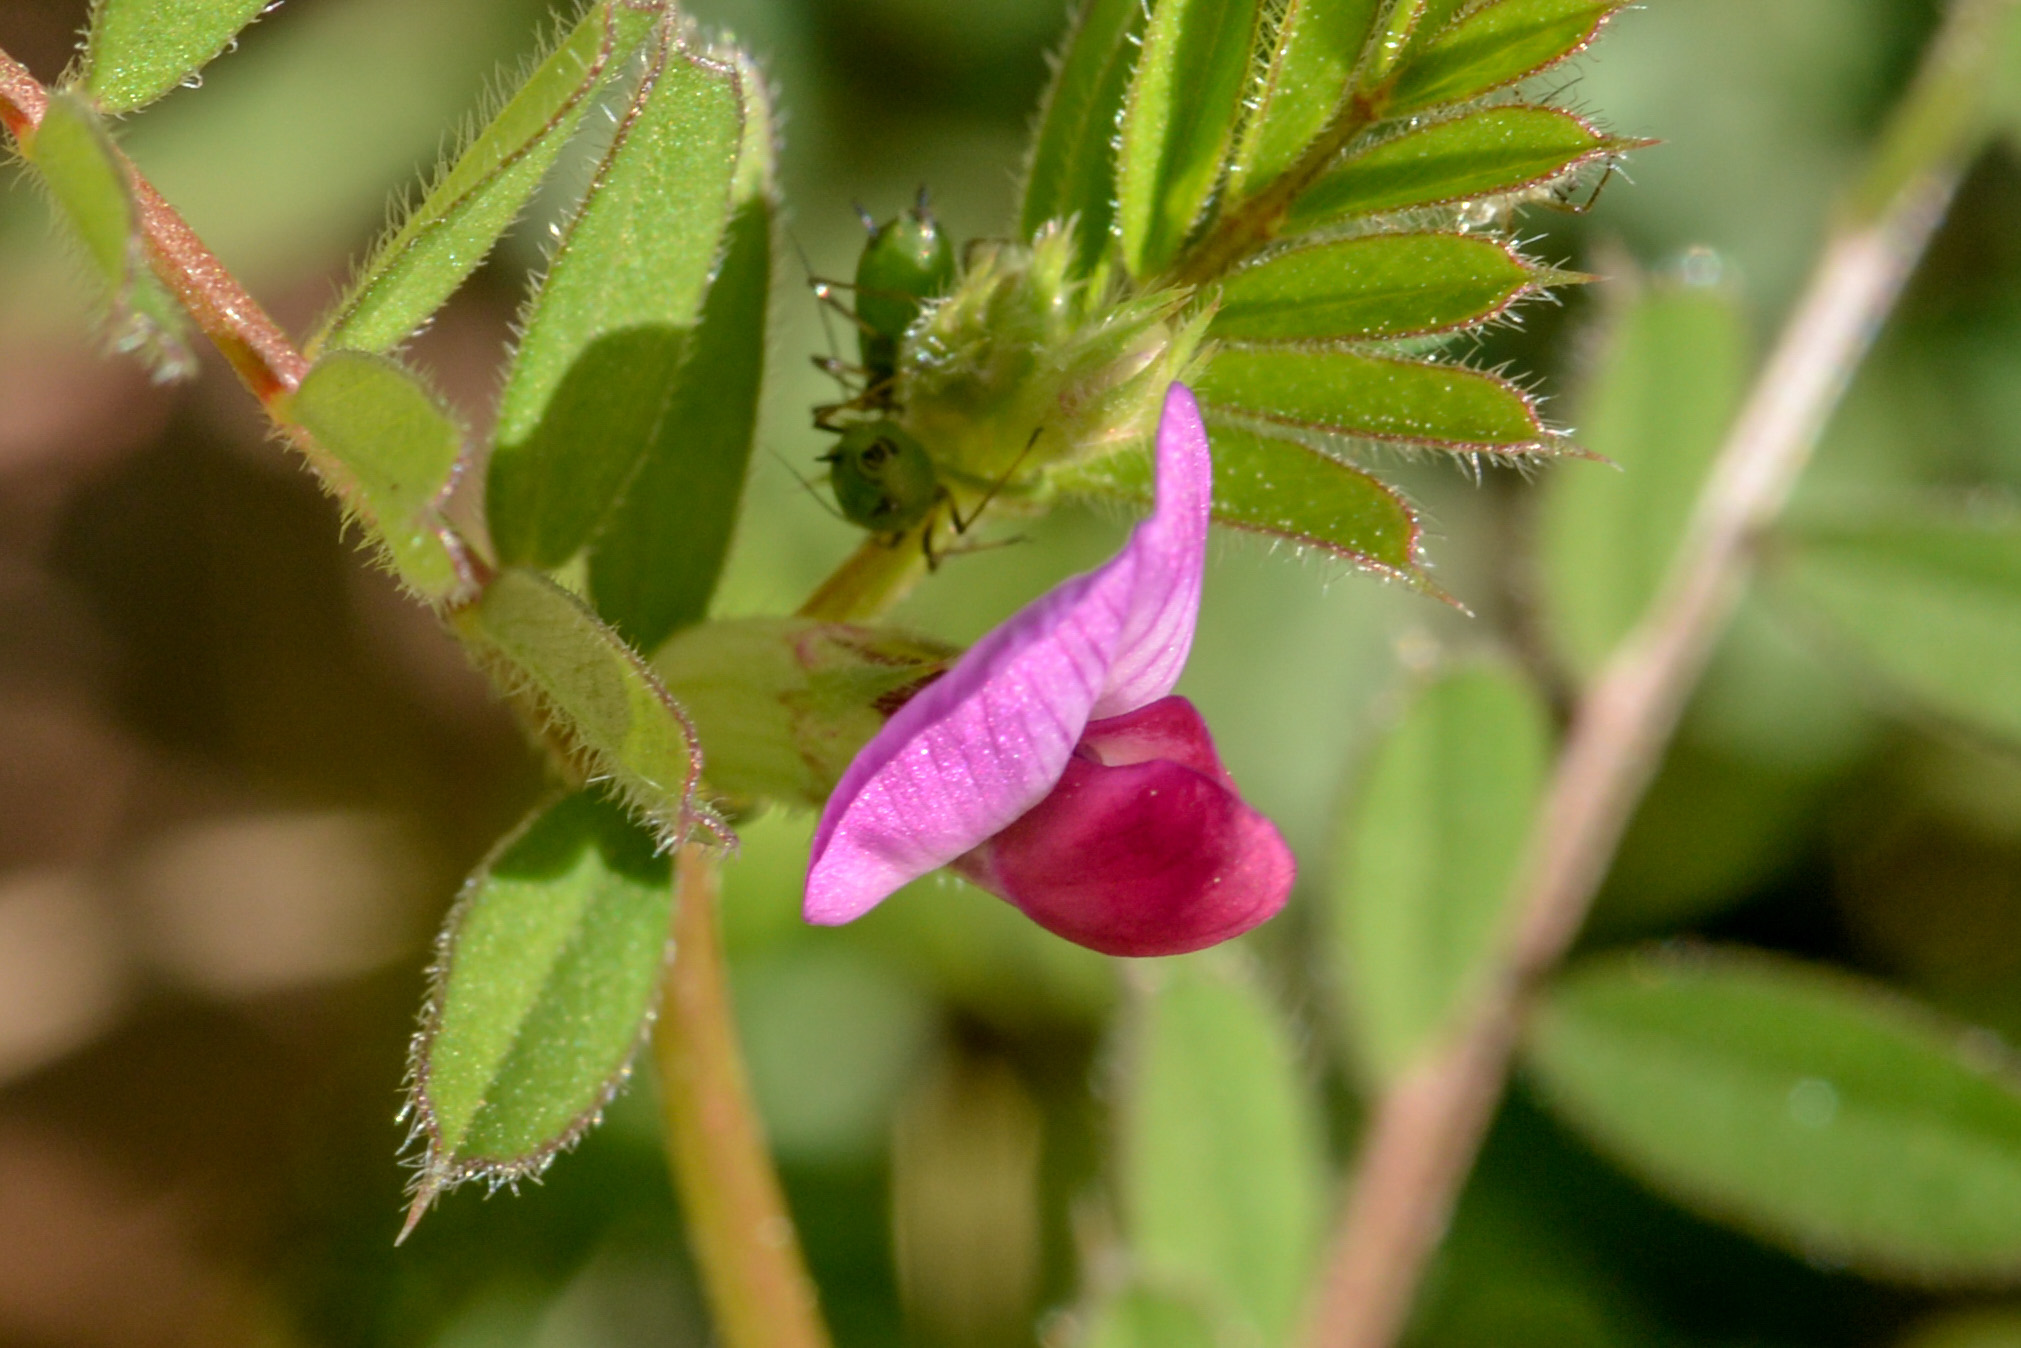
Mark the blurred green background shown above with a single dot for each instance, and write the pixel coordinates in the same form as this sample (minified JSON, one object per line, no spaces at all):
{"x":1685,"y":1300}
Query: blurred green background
{"x":240,"y":778}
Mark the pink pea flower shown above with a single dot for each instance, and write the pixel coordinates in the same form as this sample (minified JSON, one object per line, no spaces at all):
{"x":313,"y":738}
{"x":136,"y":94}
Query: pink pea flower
{"x":1051,"y":765}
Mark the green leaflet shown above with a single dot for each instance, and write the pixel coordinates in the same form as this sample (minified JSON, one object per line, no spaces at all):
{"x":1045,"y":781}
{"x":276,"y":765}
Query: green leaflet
{"x":654,"y":563}
{"x":1223,"y":1176}
{"x":390,"y":452}
{"x":1345,"y":393}
{"x":1139,"y":1317}
{"x":611,"y":324}
{"x":1494,"y":45}
{"x":138,"y":50}
{"x":1177,"y":123}
{"x":1071,"y":171}
{"x":1318,"y":43}
{"x":1430,"y":854}
{"x":415,"y":269}
{"x":1371,"y":287}
{"x":781,"y":705}
{"x":1491,"y":153}
{"x":1668,"y":380}
{"x":543,"y":986}
{"x":1932,"y":605}
{"x":88,"y":179}
{"x":540,"y":641}
{"x":1283,"y":489}
{"x":1814,"y":1109}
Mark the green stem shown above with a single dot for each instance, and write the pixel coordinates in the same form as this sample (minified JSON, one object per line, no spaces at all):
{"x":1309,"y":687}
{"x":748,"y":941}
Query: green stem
{"x":1424,"y":1132}
{"x":743,"y":1239}
{"x":870,"y":580}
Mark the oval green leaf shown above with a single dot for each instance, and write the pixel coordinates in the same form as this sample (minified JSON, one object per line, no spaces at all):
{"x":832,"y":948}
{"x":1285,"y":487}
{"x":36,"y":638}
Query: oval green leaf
{"x":138,"y":50}
{"x":781,"y":705}
{"x":1282,"y":489}
{"x":654,"y":563}
{"x":1494,"y":45}
{"x":1818,"y":1111}
{"x":1670,"y":375}
{"x":1345,"y":393}
{"x":87,"y":177}
{"x":1178,"y":121}
{"x":1372,"y":287}
{"x":1223,"y":1174}
{"x":414,"y":270}
{"x":1493,"y":153}
{"x":539,"y":641}
{"x":389,"y":451}
{"x":542,"y":988}
{"x":611,"y":324}
{"x":1071,"y":171}
{"x":1931,"y":605}
{"x":1318,"y":43}
{"x":1431,"y":848}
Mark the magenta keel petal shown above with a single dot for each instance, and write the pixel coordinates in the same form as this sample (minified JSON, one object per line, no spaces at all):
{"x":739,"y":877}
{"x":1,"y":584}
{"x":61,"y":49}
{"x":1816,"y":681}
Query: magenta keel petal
{"x":1155,"y":856}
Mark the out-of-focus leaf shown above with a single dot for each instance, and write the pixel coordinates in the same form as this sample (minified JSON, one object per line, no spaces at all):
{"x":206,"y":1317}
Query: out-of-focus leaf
{"x":1492,"y":153}
{"x":1978,"y":1327}
{"x":390,"y":452}
{"x":605,"y":336}
{"x":1284,"y":489}
{"x":1139,"y":1317}
{"x":1341,"y":392}
{"x":1223,"y":1179}
{"x":1311,"y":65}
{"x":1071,"y":173}
{"x":1496,"y":44}
{"x":781,"y":705}
{"x":138,"y":50}
{"x":419,"y":265}
{"x":543,"y":984}
{"x":654,"y":563}
{"x":1813,"y":1109}
{"x":85,"y":175}
{"x":1932,"y":605}
{"x":1180,"y":116}
{"x":1373,"y":286}
{"x":1431,"y":849}
{"x":1672,"y":372}
{"x":540,"y":641}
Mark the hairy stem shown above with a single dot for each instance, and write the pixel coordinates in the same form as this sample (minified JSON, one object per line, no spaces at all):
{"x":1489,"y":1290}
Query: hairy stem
{"x":742,"y":1236}
{"x":1425,"y":1131}
{"x":265,"y":360}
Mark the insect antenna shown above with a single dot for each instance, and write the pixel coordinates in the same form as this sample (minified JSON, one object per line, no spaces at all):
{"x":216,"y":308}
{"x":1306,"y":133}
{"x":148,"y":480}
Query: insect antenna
{"x":961,"y":526}
{"x":807,"y":484}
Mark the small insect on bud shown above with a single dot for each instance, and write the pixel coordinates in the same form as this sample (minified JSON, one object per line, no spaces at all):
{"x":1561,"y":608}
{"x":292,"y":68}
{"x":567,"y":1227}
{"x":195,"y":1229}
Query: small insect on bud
{"x":907,"y":262}
{"x":882,"y":478}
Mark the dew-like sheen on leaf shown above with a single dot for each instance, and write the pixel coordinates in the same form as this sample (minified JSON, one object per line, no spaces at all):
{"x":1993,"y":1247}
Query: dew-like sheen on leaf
{"x":1346,"y":393}
{"x":415,"y":269}
{"x":1371,"y":287}
{"x":540,"y":641}
{"x":1931,"y":604}
{"x":390,"y":451}
{"x":1223,"y":1174}
{"x":544,"y":983}
{"x":613,"y":319}
{"x":1816,"y":1110}
{"x":138,"y":50}
{"x":1494,"y":45}
{"x":1490,"y":153}
{"x":1177,"y":122}
{"x":1282,"y":489}
{"x":1430,"y":848}
{"x":1071,"y":172}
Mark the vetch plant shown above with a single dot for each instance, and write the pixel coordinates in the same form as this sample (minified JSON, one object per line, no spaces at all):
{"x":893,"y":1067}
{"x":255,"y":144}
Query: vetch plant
{"x":1250,"y":238}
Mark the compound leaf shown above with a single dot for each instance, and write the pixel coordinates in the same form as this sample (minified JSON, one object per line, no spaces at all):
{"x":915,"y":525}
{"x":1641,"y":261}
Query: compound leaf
{"x":1071,"y":171}
{"x":138,"y":50}
{"x":543,"y":985}
{"x":611,"y":324}
{"x":1373,"y":287}
{"x":1813,"y":1109}
{"x":1494,"y":45}
{"x":1311,"y":69}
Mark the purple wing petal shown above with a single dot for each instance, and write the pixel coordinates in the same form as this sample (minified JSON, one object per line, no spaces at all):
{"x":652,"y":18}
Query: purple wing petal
{"x":987,"y":741}
{"x":1150,"y":856}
